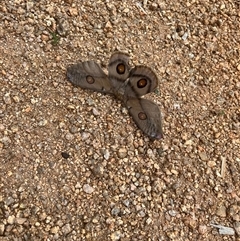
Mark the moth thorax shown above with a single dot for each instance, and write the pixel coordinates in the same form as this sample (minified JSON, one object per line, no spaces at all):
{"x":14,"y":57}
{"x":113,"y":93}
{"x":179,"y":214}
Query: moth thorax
{"x":119,"y":95}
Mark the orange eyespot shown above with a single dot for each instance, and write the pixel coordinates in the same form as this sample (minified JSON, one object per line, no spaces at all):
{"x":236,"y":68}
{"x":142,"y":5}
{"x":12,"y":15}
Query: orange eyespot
{"x":142,"y":116}
{"x":90,"y":79}
{"x":141,"y":83}
{"x":120,"y":68}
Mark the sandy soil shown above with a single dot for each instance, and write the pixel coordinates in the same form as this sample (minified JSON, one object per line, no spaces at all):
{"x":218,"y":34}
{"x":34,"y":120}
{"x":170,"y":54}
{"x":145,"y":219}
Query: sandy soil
{"x":74,"y":166}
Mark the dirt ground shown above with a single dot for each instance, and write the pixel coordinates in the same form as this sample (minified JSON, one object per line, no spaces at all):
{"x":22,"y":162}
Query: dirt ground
{"x":73,"y":164}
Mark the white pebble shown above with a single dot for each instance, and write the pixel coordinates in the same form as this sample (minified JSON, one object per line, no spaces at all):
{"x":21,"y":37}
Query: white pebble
{"x":88,"y":189}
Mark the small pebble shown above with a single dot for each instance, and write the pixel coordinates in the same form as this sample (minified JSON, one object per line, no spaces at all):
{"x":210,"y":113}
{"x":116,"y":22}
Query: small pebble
{"x":106,"y":154}
{"x":115,"y":211}
{"x":122,"y":153}
{"x":237,"y":227}
{"x":221,"y":211}
{"x":54,"y":230}
{"x":116,"y":236}
{"x":66,"y":229}
{"x":88,"y":189}
{"x":95,"y":112}
{"x":2,"y":228}
{"x":203,"y":156}
{"x":85,"y":136}
{"x":65,"y":155}
{"x":7,"y":99}
{"x":202,"y":229}
{"x":20,"y":220}
{"x":11,"y":219}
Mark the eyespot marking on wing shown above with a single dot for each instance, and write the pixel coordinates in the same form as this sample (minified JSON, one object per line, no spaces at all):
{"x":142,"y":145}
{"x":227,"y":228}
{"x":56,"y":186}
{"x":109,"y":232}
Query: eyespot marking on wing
{"x":90,"y":79}
{"x":142,"y":116}
{"x":141,"y":83}
{"x":121,"y":68}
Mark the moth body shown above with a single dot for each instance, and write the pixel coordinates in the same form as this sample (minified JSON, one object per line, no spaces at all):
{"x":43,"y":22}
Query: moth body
{"x":127,"y":84}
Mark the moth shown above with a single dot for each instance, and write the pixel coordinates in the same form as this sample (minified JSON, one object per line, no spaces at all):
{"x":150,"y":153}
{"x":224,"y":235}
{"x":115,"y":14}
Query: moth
{"x":127,"y":84}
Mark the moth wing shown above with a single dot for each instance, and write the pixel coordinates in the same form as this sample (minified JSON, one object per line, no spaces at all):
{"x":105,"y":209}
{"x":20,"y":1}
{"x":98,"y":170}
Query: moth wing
{"x":118,"y":69}
{"x":147,"y":116}
{"x":142,"y":80}
{"x":89,"y":75}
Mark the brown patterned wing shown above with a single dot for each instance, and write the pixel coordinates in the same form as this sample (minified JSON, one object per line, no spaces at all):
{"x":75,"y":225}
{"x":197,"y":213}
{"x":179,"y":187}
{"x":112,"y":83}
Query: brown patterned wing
{"x":89,"y":75}
{"x":142,"y":80}
{"x":118,"y":69}
{"x":147,"y":116}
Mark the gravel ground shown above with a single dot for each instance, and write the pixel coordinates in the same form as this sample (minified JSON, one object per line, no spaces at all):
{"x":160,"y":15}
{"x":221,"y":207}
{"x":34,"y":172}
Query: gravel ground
{"x":74,"y":166}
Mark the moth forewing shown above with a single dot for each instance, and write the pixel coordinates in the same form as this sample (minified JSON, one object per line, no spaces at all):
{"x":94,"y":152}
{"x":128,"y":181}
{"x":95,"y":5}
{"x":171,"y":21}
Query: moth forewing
{"x":89,"y":75}
{"x":118,"y":67}
{"x":142,"y":80}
